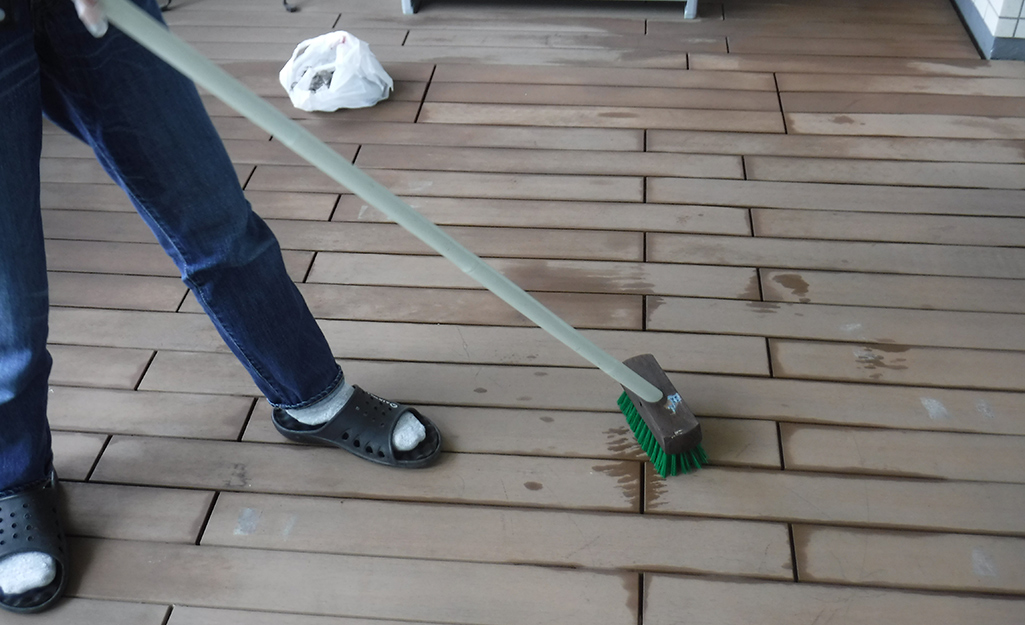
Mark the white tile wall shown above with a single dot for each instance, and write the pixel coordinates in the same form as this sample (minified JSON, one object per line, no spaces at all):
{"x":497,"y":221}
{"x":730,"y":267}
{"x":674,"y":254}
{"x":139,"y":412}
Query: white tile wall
{"x":1005,"y":18}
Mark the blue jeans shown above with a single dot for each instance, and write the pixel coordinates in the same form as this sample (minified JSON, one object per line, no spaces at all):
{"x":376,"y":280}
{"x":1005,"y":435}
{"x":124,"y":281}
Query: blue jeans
{"x":150,"y":132}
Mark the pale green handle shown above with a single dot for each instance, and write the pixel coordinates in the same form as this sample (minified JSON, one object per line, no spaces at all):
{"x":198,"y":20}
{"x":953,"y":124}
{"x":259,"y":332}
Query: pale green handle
{"x":137,"y":24}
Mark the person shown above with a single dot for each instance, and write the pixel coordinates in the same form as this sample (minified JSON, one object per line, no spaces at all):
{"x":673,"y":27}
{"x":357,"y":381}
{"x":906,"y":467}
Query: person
{"x":149,"y":130}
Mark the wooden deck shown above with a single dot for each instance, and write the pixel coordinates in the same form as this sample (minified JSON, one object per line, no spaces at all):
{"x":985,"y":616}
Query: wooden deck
{"x":812,"y":212}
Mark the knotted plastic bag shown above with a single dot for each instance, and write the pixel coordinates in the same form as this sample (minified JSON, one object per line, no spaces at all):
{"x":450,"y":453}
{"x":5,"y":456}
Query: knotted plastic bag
{"x":334,"y":71}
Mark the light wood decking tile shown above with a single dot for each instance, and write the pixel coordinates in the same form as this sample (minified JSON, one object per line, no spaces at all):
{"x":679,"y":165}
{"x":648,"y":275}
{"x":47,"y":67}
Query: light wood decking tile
{"x":478,"y":534}
{"x":825,"y":146}
{"x":891,"y":328}
{"x":951,"y":230}
{"x":460,"y":184}
{"x":977,"y":507}
{"x":838,"y":197}
{"x":104,"y":367}
{"x":903,"y":258}
{"x":466,"y":135}
{"x":600,"y":117}
{"x":820,"y":287}
{"x":798,"y":63}
{"x":648,"y":217}
{"x":561,"y":433}
{"x":456,"y":38}
{"x":954,"y":456}
{"x":666,"y":598}
{"x":623,"y":77}
{"x":541,"y":275}
{"x":1008,"y":87}
{"x":74,"y":453}
{"x":535,"y":161}
{"x":484,"y":594}
{"x":898,"y":364}
{"x":136,"y":513}
{"x":188,"y":615}
{"x":910,"y":560}
{"x":78,"y":611}
{"x":93,"y":290}
{"x":150,"y":414}
{"x":597,"y":95}
{"x":917,"y":103}
{"x":907,"y":125}
{"x":849,"y":171}
{"x":565,"y":483}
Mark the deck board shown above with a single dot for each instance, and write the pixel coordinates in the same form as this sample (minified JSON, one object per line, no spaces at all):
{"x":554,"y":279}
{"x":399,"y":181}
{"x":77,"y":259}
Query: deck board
{"x":811,"y":214}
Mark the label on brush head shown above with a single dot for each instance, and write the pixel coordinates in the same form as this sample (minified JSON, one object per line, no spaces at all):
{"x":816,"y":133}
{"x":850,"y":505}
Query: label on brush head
{"x":673,"y":401}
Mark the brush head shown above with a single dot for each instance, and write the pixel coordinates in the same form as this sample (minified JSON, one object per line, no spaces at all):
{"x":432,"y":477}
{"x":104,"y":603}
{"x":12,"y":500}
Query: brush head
{"x":672,"y":424}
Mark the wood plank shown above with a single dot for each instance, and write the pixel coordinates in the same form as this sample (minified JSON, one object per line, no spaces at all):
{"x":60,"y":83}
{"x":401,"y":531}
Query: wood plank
{"x":819,"y":102}
{"x":74,"y":453}
{"x":536,"y":161}
{"x":910,"y":560}
{"x":600,"y":117}
{"x":275,"y":153}
{"x":106,"y":367}
{"x":841,"y":225}
{"x":799,"y":63}
{"x":239,"y":128}
{"x":148,"y":414}
{"x":887,"y":48}
{"x":943,"y":455}
{"x":541,"y":275}
{"x":667,"y":597}
{"x":282,"y":205}
{"x":601,"y":76}
{"x":462,"y":307}
{"x":76,"y":611}
{"x":115,"y":291}
{"x":837,"y":197}
{"x":898,"y":364}
{"x":639,"y":56}
{"x":75,"y":196}
{"x":852,"y":171}
{"x":514,"y":39}
{"x":511,"y":536}
{"x":825,"y":146}
{"x":261,"y":77}
{"x":976,"y":507}
{"x":142,"y":259}
{"x":322,"y":21}
{"x":417,"y":341}
{"x":574,"y":434}
{"x":467,"y":135}
{"x":885,"y":328}
{"x":188,"y":615}
{"x":769,"y":13}
{"x":488,"y":242}
{"x":399,"y":107}
{"x":802,"y":29}
{"x":907,"y":125}
{"x":278,"y":34}
{"x":820,"y":287}
{"x":596,"y":95}
{"x":560,"y":214}
{"x":566,"y":483}
{"x":135,"y":513}
{"x":903,"y":258}
{"x":984,"y":86}
{"x":460,"y":184}
{"x":903,"y":407}
{"x":481,"y":594}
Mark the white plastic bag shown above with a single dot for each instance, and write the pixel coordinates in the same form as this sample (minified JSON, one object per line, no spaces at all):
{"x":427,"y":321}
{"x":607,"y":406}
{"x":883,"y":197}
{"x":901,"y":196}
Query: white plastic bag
{"x":334,"y":71}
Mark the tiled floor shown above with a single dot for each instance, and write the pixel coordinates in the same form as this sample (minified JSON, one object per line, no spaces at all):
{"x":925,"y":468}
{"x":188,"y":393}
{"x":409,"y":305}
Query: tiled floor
{"x":812,"y":213}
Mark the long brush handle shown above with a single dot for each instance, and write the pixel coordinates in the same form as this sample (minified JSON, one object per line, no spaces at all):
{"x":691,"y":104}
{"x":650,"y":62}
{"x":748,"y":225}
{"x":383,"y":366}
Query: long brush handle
{"x":152,"y":35}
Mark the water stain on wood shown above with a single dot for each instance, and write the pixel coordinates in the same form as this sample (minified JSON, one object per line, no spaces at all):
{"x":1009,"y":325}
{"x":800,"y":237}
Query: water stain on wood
{"x":533,"y":485}
{"x":620,"y":441}
{"x":547,"y":419}
{"x":628,"y":477}
{"x":764,"y":308}
{"x":797,"y":285}
{"x":656,"y":487}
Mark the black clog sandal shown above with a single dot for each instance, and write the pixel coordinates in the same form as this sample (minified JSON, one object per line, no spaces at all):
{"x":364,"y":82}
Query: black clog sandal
{"x":364,"y":427}
{"x":30,"y":521}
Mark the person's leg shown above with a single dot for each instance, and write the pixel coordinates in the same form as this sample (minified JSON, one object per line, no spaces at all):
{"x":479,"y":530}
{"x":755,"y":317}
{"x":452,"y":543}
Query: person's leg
{"x":151,"y":133}
{"x":25,"y":453}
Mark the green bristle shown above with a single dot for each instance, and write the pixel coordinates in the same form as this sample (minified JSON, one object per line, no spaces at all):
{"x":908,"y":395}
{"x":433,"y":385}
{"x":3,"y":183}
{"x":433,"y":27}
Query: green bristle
{"x":664,"y":463}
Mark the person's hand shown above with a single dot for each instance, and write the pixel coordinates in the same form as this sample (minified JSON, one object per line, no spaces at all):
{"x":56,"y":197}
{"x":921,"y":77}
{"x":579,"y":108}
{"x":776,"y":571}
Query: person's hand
{"x":91,"y":14}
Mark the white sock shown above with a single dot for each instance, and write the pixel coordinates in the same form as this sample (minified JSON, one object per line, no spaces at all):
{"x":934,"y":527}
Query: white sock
{"x":24,"y":571}
{"x":408,"y":432}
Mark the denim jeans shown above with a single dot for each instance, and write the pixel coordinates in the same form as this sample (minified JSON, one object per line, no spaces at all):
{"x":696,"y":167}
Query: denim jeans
{"x":150,"y":132}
